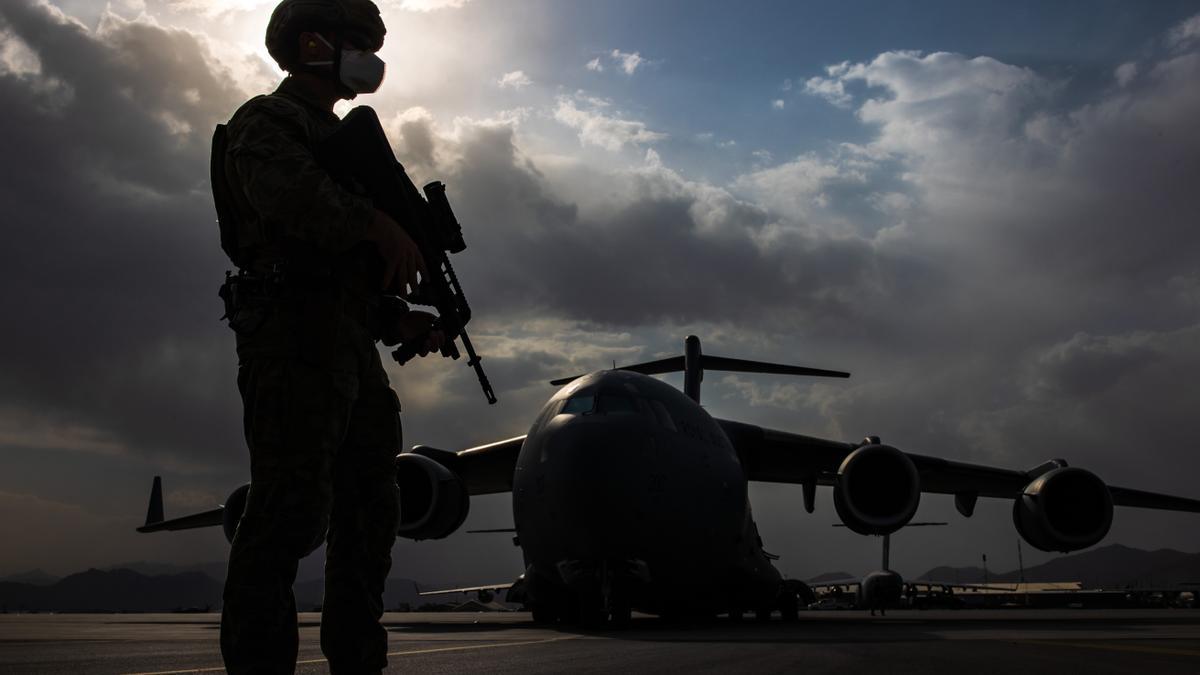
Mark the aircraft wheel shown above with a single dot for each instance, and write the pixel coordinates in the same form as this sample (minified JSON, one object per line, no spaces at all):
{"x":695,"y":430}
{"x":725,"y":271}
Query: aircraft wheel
{"x":620,"y":616}
{"x":790,"y":609}
{"x":589,"y":610}
{"x":552,"y":608}
{"x":544,"y":614}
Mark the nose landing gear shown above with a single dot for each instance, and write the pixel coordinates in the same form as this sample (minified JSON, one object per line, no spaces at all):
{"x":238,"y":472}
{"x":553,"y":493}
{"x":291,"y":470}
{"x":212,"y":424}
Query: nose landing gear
{"x":601,"y":599}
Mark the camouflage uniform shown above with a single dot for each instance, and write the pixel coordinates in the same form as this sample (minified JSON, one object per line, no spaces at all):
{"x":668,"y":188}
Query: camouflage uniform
{"x":321,"y":422}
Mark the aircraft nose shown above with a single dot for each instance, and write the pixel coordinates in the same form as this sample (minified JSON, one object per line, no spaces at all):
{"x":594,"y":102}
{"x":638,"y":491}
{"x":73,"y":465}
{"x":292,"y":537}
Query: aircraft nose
{"x":599,"y":475}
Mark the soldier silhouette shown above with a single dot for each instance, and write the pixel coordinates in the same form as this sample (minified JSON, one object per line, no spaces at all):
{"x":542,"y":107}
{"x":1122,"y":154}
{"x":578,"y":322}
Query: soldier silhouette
{"x":321,"y":421}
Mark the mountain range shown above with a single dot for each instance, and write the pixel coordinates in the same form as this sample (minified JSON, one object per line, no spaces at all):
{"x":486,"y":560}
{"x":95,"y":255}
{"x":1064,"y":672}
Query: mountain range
{"x":128,"y":590}
{"x":1113,"y":566}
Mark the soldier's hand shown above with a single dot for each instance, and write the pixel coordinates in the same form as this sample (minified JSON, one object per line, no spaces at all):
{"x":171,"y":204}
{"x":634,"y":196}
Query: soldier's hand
{"x":402,"y":259}
{"x":417,"y":325}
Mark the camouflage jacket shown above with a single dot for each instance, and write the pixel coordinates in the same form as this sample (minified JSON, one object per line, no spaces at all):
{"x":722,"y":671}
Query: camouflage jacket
{"x":278,"y":188}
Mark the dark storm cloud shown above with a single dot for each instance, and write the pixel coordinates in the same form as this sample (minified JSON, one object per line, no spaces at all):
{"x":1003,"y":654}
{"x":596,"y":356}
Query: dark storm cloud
{"x":663,"y":250}
{"x":110,"y":266}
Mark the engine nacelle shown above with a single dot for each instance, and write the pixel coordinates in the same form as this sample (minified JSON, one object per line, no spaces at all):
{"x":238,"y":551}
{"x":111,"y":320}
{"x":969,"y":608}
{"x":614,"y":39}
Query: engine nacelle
{"x":1065,"y":509}
{"x":233,"y":509}
{"x":878,"y":490}
{"x":433,"y":499}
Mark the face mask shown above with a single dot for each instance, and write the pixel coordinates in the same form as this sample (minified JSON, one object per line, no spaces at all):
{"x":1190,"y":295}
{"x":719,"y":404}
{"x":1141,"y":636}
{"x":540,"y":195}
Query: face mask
{"x":361,"y":71}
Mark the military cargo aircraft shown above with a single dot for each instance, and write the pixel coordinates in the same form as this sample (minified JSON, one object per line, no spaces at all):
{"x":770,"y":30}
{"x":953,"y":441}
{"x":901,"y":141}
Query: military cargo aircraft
{"x":628,"y":495}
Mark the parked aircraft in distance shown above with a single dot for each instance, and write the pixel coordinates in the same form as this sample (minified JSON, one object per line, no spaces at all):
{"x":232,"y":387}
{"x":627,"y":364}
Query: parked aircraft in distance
{"x":883,"y":589}
{"x":628,"y":495}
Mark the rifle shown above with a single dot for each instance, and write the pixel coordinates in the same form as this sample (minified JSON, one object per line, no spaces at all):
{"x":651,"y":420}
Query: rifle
{"x":358,"y":152}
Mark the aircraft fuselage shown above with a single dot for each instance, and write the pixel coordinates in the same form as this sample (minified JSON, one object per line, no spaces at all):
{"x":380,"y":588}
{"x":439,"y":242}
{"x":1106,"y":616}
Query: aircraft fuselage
{"x":625,"y":485}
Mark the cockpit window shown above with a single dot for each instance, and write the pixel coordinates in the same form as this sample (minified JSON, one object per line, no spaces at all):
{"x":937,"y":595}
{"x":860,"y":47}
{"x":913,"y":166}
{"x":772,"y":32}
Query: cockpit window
{"x":661,"y":414}
{"x":579,"y":404}
{"x":613,"y":403}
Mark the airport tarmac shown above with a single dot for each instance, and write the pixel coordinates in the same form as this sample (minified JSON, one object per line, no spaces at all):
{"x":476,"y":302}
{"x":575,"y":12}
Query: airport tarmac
{"x":968,"y":641}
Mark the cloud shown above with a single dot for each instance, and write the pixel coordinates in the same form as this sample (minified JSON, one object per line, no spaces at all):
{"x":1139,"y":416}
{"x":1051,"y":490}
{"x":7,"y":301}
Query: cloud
{"x":1185,"y":32}
{"x":577,"y":243}
{"x":516,"y":79}
{"x":1086,"y":365}
{"x":777,"y":104}
{"x":127,"y":179}
{"x":812,"y":190}
{"x":832,"y":90}
{"x":1125,"y":73}
{"x":210,"y":8}
{"x":431,"y":5}
{"x":603,"y":130}
{"x":626,"y":62}
{"x":1056,"y":229}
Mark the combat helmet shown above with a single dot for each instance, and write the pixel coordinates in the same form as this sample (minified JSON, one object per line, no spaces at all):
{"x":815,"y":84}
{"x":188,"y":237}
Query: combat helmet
{"x":292,"y":17}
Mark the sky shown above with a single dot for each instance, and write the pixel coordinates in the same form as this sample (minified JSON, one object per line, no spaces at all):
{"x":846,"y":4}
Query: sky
{"x":986,"y":212}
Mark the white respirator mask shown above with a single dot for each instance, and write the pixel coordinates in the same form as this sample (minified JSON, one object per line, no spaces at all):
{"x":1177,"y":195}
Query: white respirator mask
{"x":361,"y":71}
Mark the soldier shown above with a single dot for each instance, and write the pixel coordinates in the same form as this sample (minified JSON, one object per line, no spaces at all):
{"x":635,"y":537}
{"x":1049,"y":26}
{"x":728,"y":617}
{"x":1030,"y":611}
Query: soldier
{"x":321,"y":422}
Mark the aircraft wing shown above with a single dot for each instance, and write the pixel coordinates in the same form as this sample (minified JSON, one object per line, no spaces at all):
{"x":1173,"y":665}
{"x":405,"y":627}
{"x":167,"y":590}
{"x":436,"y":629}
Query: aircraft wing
{"x":486,"y":469}
{"x":780,"y":457}
{"x":469,"y":589}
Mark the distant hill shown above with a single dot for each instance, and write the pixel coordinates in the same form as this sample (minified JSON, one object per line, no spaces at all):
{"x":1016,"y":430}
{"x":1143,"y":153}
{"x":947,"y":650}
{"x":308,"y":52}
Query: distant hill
{"x":832,"y":576}
{"x":125,"y":590}
{"x":1114,"y":566}
{"x":113,"y":590}
{"x":958,"y":575}
{"x":215,"y":569}
{"x":36,"y":577}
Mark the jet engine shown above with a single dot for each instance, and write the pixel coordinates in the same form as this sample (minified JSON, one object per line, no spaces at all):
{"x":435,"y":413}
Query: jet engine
{"x":231,"y":515}
{"x":1065,"y":509}
{"x":433,"y":499}
{"x":877,"y":490}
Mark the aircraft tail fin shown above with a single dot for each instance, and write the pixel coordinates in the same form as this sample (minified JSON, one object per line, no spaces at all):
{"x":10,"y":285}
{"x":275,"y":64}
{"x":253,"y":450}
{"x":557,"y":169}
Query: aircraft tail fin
{"x":156,"y":522}
{"x":693,"y":363}
{"x":154,"y":512}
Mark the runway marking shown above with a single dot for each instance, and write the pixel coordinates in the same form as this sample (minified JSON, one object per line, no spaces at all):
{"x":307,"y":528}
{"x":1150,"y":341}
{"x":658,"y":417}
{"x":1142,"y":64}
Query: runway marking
{"x":1145,"y":649}
{"x":411,"y":652}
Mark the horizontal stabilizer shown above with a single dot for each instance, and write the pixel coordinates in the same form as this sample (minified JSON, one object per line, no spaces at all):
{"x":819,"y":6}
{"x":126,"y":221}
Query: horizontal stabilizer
{"x":743,"y":366}
{"x":675,"y":364}
{"x":469,"y":589}
{"x":211,"y":518}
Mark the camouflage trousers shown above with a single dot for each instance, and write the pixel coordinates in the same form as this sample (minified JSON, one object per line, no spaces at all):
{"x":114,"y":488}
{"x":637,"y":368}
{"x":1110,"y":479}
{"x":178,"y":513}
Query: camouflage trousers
{"x":322,"y":435}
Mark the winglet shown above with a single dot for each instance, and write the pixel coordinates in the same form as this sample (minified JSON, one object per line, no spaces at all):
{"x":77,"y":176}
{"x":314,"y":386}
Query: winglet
{"x":154,"y":512}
